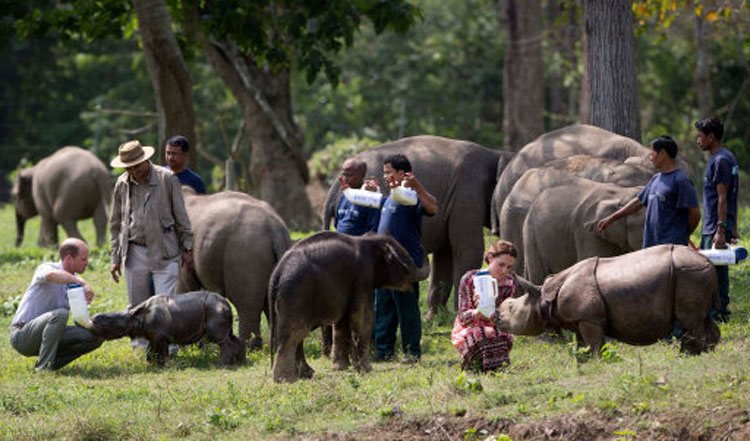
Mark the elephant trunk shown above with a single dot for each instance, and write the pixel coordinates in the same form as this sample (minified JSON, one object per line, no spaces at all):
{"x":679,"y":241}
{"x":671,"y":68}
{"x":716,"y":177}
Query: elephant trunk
{"x":330,"y":205}
{"x":20,"y":224}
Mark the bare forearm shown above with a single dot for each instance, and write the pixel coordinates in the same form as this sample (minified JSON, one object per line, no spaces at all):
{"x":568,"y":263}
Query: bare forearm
{"x":63,"y":277}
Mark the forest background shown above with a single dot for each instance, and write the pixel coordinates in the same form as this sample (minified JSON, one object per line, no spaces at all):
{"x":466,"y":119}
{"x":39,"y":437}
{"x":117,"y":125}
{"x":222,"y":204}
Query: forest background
{"x":70,"y":80}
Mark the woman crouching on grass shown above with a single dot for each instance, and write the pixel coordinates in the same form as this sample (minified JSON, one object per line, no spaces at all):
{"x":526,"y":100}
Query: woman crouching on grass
{"x":482,"y":346}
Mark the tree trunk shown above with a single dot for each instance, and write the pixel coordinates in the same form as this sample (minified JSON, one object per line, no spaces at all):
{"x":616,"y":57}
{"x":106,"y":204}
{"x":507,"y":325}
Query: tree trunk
{"x":562,"y":38}
{"x":523,"y":76}
{"x":702,"y":79}
{"x":277,"y":166}
{"x":610,"y":55}
{"x":169,"y":74}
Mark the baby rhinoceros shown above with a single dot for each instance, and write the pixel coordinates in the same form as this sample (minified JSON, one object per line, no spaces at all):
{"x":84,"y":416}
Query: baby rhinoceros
{"x":181,"y":319}
{"x":328,"y":278}
{"x":635,"y":298}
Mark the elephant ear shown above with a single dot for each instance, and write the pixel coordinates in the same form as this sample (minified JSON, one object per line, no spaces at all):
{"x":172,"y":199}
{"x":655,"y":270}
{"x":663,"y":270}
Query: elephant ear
{"x":392,"y":255}
{"x":599,"y":211}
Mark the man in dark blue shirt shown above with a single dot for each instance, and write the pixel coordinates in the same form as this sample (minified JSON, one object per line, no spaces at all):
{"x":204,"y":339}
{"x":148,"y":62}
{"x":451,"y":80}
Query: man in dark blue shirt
{"x":720,"y":186}
{"x":403,"y":222}
{"x":352,"y":219}
{"x":176,"y":153}
{"x":672,"y":212}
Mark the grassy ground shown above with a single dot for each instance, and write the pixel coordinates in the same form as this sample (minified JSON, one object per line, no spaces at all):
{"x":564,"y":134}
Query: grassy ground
{"x":649,"y":392}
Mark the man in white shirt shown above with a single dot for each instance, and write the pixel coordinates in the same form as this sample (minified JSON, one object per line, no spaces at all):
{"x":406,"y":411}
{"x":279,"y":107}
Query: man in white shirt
{"x":39,"y":326}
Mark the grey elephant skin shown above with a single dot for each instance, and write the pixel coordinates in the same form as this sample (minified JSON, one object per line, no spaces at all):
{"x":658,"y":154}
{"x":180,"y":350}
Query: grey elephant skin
{"x":328,"y":278}
{"x":63,"y":188}
{"x":560,"y":172}
{"x":560,"y":227}
{"x":635,"y":298}
{"x":182,"y":319}
{"x":237,"y":241}
{"x":462,"y":176}
{"x":579,"y":139}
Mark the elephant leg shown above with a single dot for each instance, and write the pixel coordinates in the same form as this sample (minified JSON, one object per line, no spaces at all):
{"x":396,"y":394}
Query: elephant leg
{"x":285,"y":361}
{"x":303,"y":369}
{"x":248,"y":296}
{"x":441,"y":281}
{"x":100,"y":224}
{"x":467,"y":251}
{"x":342,"y":337}
{"x":326,"y":337}
{"x":48,"y":232}
{"x":71,"y":228}
{"x":362,"y":324}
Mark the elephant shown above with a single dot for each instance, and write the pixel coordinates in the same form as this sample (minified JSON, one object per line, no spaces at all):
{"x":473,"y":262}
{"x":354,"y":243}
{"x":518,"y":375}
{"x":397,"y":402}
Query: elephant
{"x":462,"y":176}
{"x":579,"y":139}
{"x":560,"y":228}
{"x":559,"y":172}
{"x":329,"y":278}
{"x":237,"y":242}
{"x":69,"y":185}
{"x":181,"y":319}
{"x":635,"y":298}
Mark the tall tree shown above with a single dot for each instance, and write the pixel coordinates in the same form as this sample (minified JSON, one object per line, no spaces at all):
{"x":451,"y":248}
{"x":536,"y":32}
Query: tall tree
{"x":523,"y":73}
{"x":169,"y":73}
{"x":702,"y":78}
{"x":563,"y":32}
{"x":252,"y":47}
{"x":610,"y":67}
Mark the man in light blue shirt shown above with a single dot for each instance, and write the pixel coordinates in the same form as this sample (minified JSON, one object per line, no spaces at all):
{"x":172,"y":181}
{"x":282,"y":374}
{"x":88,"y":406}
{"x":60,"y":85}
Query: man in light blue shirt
{"x":39,"y":326}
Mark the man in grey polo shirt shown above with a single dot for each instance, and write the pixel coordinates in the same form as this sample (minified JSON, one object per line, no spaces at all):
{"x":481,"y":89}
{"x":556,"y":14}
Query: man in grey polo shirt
{"x":40,"y":324}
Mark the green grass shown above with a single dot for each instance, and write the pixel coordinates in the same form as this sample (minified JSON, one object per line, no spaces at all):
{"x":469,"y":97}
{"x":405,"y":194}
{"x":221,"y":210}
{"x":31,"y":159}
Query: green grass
{"x":113,"y":393}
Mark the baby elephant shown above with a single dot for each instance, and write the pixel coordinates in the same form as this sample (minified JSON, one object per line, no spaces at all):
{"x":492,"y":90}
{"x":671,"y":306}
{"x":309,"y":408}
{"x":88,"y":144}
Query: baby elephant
{"x":328,"y":278}
{"x":181,"y":319}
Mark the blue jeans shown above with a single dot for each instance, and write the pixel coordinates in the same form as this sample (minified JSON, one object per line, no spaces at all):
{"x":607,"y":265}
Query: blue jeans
{"x":722,"y":273}
{"x":394,"y":308}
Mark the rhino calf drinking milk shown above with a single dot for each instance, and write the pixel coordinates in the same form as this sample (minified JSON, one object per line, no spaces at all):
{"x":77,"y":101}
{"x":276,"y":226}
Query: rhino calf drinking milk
{"x":635,"y":298}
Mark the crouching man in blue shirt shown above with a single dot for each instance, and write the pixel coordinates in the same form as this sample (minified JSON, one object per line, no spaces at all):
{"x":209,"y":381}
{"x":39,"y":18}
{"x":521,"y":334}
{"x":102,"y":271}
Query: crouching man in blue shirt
{"x":672,"y":212}
{"x":404,"y":223}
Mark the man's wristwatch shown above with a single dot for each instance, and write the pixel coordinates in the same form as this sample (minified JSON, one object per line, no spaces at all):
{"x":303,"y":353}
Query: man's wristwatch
{"x":722,"y":224}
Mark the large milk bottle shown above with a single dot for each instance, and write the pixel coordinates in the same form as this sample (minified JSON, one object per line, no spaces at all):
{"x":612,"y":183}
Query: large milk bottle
{"x":404,"y":195}
{"x":730,"y":255}
{"x":360,"y":196}
{"x":78,"y":308}
{"x":485,"y":286}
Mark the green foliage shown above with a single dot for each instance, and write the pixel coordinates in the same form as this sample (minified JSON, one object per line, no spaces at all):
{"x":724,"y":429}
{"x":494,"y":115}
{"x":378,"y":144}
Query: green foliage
{"x":464,"y":383}
{"x":326,"y":162}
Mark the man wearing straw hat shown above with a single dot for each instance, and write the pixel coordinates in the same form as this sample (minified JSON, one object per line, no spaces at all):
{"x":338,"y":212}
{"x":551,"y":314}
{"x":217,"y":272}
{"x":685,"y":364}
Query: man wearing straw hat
{"x":149,"y":226}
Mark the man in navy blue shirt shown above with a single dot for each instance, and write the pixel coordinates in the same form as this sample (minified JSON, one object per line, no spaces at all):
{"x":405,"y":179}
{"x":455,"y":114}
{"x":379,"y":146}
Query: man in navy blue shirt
{"x":176,"y":153}
{"x":401,"y":308}
{"x":672,"y":212}
{"x":352,"y":219}
{"x":720,"y":185}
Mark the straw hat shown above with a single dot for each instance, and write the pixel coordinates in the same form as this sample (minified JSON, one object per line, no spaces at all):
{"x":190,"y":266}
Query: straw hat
{"x":131,"y":153}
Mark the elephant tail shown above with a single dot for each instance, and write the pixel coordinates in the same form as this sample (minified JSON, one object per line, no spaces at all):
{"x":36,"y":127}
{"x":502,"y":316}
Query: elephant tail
{"x":104,"y":182}
{"x":273,"y":291}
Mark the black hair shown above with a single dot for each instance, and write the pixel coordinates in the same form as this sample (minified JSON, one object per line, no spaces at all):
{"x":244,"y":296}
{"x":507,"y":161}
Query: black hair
{"x":711,"y":125}
{"x":665,"y":142}
{"x":179,"y":141}
{"x":398,"y":162}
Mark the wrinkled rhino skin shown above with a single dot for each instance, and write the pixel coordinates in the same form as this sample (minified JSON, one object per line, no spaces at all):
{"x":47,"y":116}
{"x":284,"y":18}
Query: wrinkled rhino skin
{"x":182,"y":319}
{"x":634,"y":298}
{"x":328,"y":278}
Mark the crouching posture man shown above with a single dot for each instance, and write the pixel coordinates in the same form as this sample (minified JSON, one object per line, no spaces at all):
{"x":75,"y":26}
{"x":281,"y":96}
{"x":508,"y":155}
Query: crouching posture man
{"x":40,"y":324}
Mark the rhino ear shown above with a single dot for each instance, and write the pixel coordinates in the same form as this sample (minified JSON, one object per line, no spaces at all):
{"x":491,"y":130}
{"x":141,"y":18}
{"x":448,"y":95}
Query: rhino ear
{"x":526,"y":287}
{"x":552,"y":285}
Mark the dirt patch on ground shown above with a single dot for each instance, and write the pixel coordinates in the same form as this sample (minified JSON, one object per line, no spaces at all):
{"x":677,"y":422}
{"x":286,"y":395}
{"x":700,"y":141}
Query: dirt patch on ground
{"x":717,"y":424}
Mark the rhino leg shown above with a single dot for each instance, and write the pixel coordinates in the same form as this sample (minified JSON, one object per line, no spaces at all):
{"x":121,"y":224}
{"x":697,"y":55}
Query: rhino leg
{"x":592,"y":334}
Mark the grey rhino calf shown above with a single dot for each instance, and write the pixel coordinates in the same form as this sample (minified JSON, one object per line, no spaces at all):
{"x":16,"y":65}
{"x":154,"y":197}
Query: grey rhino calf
{"x":328,"y":278}
{"x":635,"y":298}
{"x":181,"y":319}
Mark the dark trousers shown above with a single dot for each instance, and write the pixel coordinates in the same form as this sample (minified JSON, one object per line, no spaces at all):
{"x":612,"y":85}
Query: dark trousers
{"x":394,"y":308}
{"x":722,"y":273}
